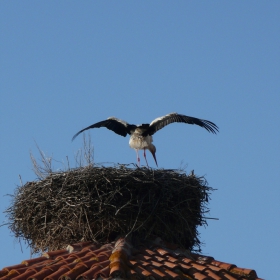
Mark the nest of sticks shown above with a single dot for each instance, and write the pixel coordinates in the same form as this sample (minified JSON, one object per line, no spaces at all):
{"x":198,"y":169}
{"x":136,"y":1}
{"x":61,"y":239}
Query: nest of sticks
{"x":99,"y":203}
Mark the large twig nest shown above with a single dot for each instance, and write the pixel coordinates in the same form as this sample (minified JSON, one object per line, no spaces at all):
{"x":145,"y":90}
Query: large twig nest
{"x":99,"y":203}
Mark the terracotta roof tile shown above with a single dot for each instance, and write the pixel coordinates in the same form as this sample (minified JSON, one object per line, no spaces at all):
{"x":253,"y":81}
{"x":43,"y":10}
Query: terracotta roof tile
{"x":213,"y":267}
{"x":54,"y":254}
{"x":170,"y":274}
{"x":3,"y":273}
{"x":34,"y":261}
{"x":91,"y":273}
{"x":142,"y":272}
{"x":227,"y":276}
{"x":224,"y":265}
{"x":121,"y":260}
{"x":55,"y":275}
{"x":212,"y":274}
{"x":41,"y":274}
{"x":184,"y":267}
{"x":17,"y":266}
{"x":197,"y":274}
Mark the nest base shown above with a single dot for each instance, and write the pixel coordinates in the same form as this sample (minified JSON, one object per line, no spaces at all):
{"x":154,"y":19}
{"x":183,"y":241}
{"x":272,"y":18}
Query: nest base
{"x":100,"y":203}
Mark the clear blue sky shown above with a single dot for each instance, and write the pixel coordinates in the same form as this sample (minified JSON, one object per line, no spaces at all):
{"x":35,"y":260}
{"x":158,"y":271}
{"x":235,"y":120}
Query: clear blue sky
{"x":68,"y":64}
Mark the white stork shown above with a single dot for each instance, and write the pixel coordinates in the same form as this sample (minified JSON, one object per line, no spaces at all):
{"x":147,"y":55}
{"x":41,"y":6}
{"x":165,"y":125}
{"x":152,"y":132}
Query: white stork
{"x":141,"y":135}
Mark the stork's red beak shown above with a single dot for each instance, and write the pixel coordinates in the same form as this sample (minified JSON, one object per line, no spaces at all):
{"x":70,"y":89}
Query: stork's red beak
{"x":153,"y":149}
{"x":154,"y":155}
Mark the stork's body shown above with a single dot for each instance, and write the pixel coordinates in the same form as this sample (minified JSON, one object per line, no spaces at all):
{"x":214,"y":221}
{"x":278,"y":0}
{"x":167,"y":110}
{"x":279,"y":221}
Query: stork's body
{"x":141,"y":135}
{"x":139,"y":142}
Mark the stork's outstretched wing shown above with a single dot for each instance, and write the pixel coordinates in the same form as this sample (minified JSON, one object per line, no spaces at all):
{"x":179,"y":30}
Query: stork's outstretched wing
{"x":118,"y":126}
{"x":161,"y":122}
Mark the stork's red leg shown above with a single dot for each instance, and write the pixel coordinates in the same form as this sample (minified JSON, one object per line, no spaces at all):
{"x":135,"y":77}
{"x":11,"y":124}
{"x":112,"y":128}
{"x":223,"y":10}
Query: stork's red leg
{"x":145,"y":157}
{"x":138,"y":158}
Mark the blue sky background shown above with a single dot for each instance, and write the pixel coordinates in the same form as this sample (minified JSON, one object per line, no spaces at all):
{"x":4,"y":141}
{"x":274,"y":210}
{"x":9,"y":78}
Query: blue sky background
{"x":68,"y":64}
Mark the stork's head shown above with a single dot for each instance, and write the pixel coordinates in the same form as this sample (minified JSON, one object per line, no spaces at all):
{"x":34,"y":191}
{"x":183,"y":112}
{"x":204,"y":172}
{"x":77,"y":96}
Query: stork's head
{"x":153,"y":149}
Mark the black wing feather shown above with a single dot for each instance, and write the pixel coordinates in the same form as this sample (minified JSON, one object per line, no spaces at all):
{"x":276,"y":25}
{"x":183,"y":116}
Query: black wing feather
{"x":118,"y":126}
{"x":161,"y":122}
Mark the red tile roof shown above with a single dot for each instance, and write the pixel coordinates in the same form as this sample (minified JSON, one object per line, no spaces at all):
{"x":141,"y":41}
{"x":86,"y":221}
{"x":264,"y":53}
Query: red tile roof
{"x":122,"y":260}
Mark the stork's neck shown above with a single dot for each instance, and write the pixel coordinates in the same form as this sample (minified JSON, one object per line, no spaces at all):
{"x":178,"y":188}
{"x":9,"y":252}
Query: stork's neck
{"x":139,"y":130}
